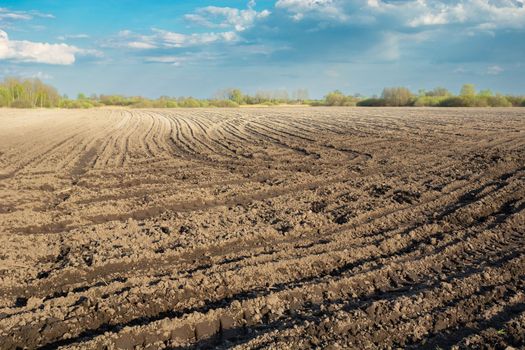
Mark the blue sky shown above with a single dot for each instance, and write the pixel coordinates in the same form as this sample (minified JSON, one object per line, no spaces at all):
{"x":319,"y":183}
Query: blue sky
{"x":178,"y":48}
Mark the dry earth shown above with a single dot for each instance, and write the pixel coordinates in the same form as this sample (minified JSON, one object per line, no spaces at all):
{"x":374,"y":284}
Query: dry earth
{"x":262,"y":228}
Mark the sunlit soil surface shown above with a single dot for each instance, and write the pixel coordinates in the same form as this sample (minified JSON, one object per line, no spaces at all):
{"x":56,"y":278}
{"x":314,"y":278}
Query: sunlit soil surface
{"x":262,"y":228}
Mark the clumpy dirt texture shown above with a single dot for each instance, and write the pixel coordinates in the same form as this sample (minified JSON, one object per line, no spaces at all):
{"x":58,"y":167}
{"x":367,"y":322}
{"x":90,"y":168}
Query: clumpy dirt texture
{"x":284,"y":228}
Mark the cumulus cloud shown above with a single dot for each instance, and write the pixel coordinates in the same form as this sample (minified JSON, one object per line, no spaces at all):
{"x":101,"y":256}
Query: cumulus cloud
{"x":227,"y":17}
{"x":326,"y":9}
{"x":477,"y":13}
{"x":429,"y":19}
{"x":37,"y":52}
{"x":231,"y":20}
{"x":28,"y":51}
{"x":413,"y":13}
{"x":388,"y":30}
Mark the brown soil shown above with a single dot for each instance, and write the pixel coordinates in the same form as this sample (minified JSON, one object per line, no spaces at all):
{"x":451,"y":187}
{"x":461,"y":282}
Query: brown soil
{"x":262,"y":228}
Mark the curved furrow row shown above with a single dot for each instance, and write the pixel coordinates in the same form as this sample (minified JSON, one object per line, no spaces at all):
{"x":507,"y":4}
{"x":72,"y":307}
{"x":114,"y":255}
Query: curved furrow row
{"x":262,"y":228}
{"x":464,"y":196}
{"x":327,"y":259}
{"x":159,"y":136}
{"x":354,"y":283}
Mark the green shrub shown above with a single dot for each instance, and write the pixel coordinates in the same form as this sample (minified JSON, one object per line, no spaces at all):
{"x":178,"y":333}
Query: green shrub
{"x":515,"y":100}
{"x":464,"y":101}
{"x":142,"y":104}
{"x":498,"y":101}
{"x":30,"y":93}
{"x":372,"y":102}
{"x":397,"y":96}
{"x":486,"y":93}
{"x":428,"y":101}
{"x":21,"y":104}
{"x":86,"y":104}
{"x":189,"y":102}
{"x":337,"y":98}
{"x":468,"y":90}
{"x":454,"y":101}
{"x":4,"y":96}
{"x":438,"y":92}
{"x":223,"y":103}
{"x":475,"y":101}
{"x":71,"y":104}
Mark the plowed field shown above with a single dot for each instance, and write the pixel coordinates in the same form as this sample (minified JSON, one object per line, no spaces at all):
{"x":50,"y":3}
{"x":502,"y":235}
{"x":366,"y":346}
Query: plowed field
{"x":262,"y":228}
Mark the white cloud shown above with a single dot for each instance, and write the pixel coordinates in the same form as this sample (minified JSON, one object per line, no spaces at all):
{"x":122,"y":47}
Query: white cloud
{"x":165,"y":39}
{"x":125,"y":32}
{"x":429,"y":19}
{"x":28,"y":51}
{"x":8,"y":15}
{"x":128,"y":39}
{"x":16,"y":71}
{"x":172,"y":39}
{"x":72,"y":36}
{"x":191,"y":57}
{"x":460,"y":70}
{"x":325,"y":9}
{"x":173,"y":60}
{"x":140,"y":45}
{"x":227,"y":17}
{"x":494,"y":70}
{"x":477,"y":14}
{"x":14,"y":16}
{"x":373,"y":3}
{"x":231,"y":20}
{"x":41,"y":76}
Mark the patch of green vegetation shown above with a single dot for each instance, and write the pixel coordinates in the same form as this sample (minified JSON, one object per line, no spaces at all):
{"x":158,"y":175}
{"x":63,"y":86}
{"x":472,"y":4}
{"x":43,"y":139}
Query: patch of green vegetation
{"x":371,"y":102}
{"x":32,"y":93}
{"x":27,"y":93}
{"x":441,"y":97}
{"x":337,"y":98}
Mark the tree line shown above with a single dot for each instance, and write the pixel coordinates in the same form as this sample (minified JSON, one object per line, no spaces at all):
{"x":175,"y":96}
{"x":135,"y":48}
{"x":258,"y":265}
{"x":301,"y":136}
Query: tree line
{"x":33,"y":93}
{"x":231,"y":97}
{"x":391,"y":97}
{"x":441,"y":97}
{"x":28,"y":93}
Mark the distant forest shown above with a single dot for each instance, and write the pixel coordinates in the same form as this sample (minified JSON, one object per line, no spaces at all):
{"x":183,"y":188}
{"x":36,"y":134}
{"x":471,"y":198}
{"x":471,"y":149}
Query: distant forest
{"x":32,"y":93}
